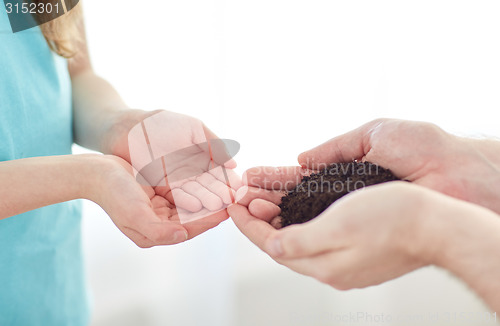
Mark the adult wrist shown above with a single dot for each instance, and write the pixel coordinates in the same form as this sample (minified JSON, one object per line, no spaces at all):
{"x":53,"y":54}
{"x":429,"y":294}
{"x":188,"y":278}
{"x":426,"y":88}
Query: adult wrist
{"x":470,"y":249}
{"x":489,"y":148}
{"x":479,"y":172}
{"x":442,"y":225}
{"x":455,"y":232}
{"x":424,"y":233}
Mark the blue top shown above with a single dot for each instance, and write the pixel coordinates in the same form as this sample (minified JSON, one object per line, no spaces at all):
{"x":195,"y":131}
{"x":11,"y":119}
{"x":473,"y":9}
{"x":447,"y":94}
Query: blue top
{"x":41,"y":268}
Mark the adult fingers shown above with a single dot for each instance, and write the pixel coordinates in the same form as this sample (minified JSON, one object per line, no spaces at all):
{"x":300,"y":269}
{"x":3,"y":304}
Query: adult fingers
{"x":274,"y":178}
{"x":345,"y":148}
{"x":334,"y":268}
{"x":322,"y":234}
{"x":246,"y":194}
{"x":264,"y":210}
{"x":294,"y":241}
{"x":257,"y":231}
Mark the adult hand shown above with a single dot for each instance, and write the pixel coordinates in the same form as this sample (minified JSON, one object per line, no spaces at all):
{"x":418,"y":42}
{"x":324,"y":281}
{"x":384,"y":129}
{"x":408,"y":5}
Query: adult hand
{"x":365,"y":238}
{"x":421,"y":153}
{"x":384,"y":231}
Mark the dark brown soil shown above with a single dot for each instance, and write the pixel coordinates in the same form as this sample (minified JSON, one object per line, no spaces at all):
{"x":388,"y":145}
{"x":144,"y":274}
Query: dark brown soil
{"x":318,"y":191}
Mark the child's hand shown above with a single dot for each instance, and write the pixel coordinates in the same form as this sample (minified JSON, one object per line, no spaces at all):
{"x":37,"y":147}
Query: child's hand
{"x":142,"y":212}
{"x":181,"y":159}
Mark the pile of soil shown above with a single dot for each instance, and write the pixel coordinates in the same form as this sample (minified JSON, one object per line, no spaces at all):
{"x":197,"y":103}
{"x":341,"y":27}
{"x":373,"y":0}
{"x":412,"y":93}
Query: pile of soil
{"x":319,"y":190}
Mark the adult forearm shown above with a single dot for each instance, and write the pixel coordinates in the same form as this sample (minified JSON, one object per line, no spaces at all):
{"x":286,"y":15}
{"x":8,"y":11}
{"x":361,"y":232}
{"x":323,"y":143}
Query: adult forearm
{"x":31,"y":183}
{"x":490,"y":148}
{"x":471,"y":250}
{"x":475,"y":171}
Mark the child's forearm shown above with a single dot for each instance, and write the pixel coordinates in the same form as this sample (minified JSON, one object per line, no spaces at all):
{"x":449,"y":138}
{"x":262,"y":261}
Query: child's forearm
{"x":102,"y":121}
{"x":96,"y":107}
{"x":471,"y":251}
{"x":31,"y":183}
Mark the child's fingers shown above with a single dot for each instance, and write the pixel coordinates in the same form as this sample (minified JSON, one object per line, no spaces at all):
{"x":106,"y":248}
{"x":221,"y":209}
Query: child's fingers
{"x":232,"y":177}
{"x":182,"y":199}
{"x":197,"y":223}
{"x":207,"y":198}
{"x":216,"y":186}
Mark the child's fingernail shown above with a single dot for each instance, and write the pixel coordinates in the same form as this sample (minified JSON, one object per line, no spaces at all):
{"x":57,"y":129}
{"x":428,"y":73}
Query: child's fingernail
{"x":275,"y":248}
{"x":180,"y":236}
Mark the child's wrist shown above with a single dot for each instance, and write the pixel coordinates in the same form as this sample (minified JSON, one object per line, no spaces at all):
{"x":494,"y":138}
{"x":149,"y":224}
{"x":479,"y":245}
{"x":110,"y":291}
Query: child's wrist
{"x":115,"y":140}
{"x":90,"y":170}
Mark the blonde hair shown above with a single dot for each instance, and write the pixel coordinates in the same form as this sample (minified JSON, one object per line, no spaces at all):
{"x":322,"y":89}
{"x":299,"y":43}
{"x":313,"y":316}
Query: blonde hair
{"x":63,"y":34}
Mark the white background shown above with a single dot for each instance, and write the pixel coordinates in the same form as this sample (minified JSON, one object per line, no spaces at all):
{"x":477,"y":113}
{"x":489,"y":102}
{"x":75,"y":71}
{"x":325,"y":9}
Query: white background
{"x":281,"y":76}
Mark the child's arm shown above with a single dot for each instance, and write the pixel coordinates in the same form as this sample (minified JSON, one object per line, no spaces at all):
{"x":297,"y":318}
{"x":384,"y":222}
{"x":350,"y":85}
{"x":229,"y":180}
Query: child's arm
{"x":99,"y":111}
{"x":32,"y":183}
{"x":103,"y":122}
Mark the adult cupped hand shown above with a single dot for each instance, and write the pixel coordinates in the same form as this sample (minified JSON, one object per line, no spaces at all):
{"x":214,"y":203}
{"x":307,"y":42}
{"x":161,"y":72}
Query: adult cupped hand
{"x":367,"y":237}
{"x":419,"y":152}
{"x":422,"y":153}
{"x":383,"y":231}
